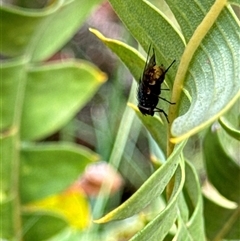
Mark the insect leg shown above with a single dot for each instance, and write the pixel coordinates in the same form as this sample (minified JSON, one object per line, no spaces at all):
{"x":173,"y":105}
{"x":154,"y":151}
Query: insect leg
{"x":165,"y":89}
{"x":166,"y":100}
{"x":161,"y":110}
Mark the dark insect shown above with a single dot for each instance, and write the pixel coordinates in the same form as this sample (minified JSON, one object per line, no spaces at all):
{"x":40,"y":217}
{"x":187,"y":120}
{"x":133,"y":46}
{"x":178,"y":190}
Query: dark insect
{"x":149,"y":88}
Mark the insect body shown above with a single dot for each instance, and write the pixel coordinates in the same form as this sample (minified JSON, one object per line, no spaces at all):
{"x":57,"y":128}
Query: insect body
{"x":149,"y":88}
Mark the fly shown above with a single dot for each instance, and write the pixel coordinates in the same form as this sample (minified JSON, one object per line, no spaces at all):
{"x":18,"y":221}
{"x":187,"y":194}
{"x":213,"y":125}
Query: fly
{"x":149,"y":88}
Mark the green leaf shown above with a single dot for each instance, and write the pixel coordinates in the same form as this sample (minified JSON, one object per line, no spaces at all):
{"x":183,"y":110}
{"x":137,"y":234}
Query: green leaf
{"x":156,"y":128}
{"x":201,"y":63}
{"x":229,"y":128}
{"x":222,"y":170}
{"x":129,"y":56}
{"x":236,"y":2}
{"x":208,"y":72}
{"x":166,"y":218}
{"x":230,"y":122}
{"x":189,"y":14}
{"x":40,"y":226}
{"x":12,"y":75}
{"x":40,"y":33}
{"x":6,"y":212}
{"x":193,"y":227}
{"x":62,"y":25}
{"x":151,"y":189}
{"x":149,"y":26}
{"x":53,"y":95}
{"x":220,"y":222}
{"x":50,"y":168}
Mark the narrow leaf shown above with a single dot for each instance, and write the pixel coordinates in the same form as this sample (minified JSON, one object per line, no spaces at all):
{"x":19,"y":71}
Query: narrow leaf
{"x":220,"y":222}
{"x":149,"y":26}
{"x":158,"y":228}
{"x":151,"y":189}
{"x":222,"y":170}
{"x":129,"y":56}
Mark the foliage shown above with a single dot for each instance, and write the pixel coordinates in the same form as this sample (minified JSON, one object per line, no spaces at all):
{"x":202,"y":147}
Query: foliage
{"x":205,"y":87}
{"x":39,"y":97}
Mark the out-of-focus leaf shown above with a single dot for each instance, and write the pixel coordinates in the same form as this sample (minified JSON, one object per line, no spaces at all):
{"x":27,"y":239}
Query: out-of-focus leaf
{"x":40,"y":226}
{"x":48,"y":169}
{"x":12,"y":76}
{"x":42,"y":32}
{"x":12,"y":82}
{"x":62,"y":25}
{"x":222,"y":170}
{"x":54,"y":94}
{"x":151,"y":189}
{"x":6,"y":213}
{"x":237,"y":2}
{"x":221,"y":223}
{"x":71,"y":204}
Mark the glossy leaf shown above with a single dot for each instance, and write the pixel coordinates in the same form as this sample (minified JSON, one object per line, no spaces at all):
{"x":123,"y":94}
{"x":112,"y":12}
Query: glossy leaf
{"x":48,"y":169}
{"x":53,"y":95}
{"x":222,"y":170}
{"x":151,"y":189}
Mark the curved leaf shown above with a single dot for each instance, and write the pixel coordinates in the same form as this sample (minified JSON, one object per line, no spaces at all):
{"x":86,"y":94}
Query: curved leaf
{"x":129,"y":56}
{"x":41,"y":225}
{"x":229,"y":128}
{"x":47,"y":169}
{"x":31,"y":31}
{"x":155,"y":126}
{"x":195,"y":224}
{"x":149,"y":26}
{"x":230,"y":122}
{"x":151,"y":189}
{"x":221,"y":223}
{"x":166,"y":218}
{"x":222,"y":170}
{"x":212,"y":76}
{"x":53,"y":95}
